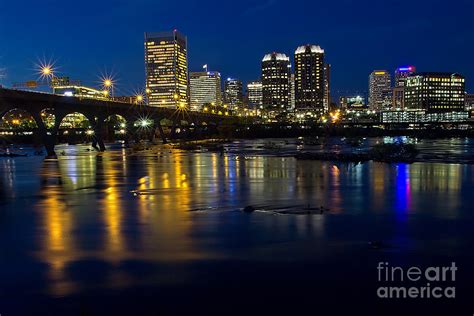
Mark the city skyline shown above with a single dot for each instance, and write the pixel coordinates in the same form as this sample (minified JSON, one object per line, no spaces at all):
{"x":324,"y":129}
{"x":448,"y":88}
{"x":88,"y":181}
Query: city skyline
{"x":242,"y":157}
{"x":219,"y":48}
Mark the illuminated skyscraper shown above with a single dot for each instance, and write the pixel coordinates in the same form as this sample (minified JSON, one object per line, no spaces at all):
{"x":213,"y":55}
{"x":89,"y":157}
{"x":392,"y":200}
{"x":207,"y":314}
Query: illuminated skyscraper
{"x":275,"y":82}
{"x":469,"y":102}
{"x":292,"y":91}
{"x":327,"y":86}
{"x":402,"y":73}
{"x":380,"y":90}
{"x":398,"y":98}
{"x":398,"y":94}
{"x":233,"y":95}
{"x":205,"y":89}
{"x":309,"y":79}
{"x":435,"y":92}
{"x":166,"y":66}
{"x":255,"y":95}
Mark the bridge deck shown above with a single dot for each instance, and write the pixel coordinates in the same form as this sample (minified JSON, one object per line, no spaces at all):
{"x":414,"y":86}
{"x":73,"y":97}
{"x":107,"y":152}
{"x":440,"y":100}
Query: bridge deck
{"x":37,"y":101}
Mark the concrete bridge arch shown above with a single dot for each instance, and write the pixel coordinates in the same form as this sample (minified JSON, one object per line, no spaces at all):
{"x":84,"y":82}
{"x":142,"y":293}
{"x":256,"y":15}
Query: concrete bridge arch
{"x":44,"y":105}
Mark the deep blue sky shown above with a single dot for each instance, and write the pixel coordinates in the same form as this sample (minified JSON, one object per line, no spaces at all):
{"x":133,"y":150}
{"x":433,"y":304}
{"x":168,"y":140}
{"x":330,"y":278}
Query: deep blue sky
{"x":89,"y":37}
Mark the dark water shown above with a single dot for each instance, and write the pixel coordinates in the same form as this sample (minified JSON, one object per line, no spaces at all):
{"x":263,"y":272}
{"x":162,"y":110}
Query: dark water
{"x":162,"y":233}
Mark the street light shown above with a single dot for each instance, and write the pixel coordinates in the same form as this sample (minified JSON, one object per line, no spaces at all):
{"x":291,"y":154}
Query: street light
{"x":139,"y":98}
{"x":108,"y":84}
{"x":144,"y":123}
{"x":46,"y":71}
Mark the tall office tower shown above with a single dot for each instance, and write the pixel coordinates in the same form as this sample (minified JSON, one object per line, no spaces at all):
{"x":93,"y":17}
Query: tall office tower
{"x":205,"y":89}
{"x":327,"y":86}
{"x":276,"y":82}
{"x":435,"y":92}
{"x":255,"y":95}
{"x":309,"y":79}
{"x":380,"y":90}
{"x":398,"y":98}
{"x":398,"y":92}
{"x":402,"y":73}
{"x":166,"y":67}
{"x":469,"y":102}
{"x":292,"y":92}
{"x":233,"y":94}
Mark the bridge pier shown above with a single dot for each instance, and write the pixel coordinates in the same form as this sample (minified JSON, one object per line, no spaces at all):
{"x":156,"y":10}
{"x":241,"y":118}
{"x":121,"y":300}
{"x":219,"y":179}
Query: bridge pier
{"x":213,"y":129}
{"x":197,"y":131}
{"x":162,"y":134}
{"x":49,"y":142}
{"x":48,"y":136}
{"x":173,"y":130}
{"x":98,"y":125}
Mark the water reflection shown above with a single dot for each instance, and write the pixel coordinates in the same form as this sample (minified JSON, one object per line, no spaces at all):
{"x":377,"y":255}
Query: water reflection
{"x":7,"y":175}
{"x":85,"y":212}
{"x":403,"y":190}
{"x":436,"y":177}
{"x":57,"y":245}
{"x":111,"y":207}
{"x":379,"y":177}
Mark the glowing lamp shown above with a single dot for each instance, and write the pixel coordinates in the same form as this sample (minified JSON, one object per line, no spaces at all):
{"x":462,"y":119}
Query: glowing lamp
{"x":46,"y":70}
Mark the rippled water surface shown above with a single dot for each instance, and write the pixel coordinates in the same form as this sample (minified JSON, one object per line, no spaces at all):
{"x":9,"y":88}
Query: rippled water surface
{"x":164,"y":231}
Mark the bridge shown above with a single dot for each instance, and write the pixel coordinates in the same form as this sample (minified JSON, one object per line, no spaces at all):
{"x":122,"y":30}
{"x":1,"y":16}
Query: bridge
{"x":97,"y":112}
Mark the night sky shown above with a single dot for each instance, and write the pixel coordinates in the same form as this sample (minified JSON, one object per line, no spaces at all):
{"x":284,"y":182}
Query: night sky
{"x":87,"y":38}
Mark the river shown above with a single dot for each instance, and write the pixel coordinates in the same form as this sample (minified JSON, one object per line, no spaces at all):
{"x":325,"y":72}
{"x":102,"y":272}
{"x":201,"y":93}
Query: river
{"x":163,"y":232}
